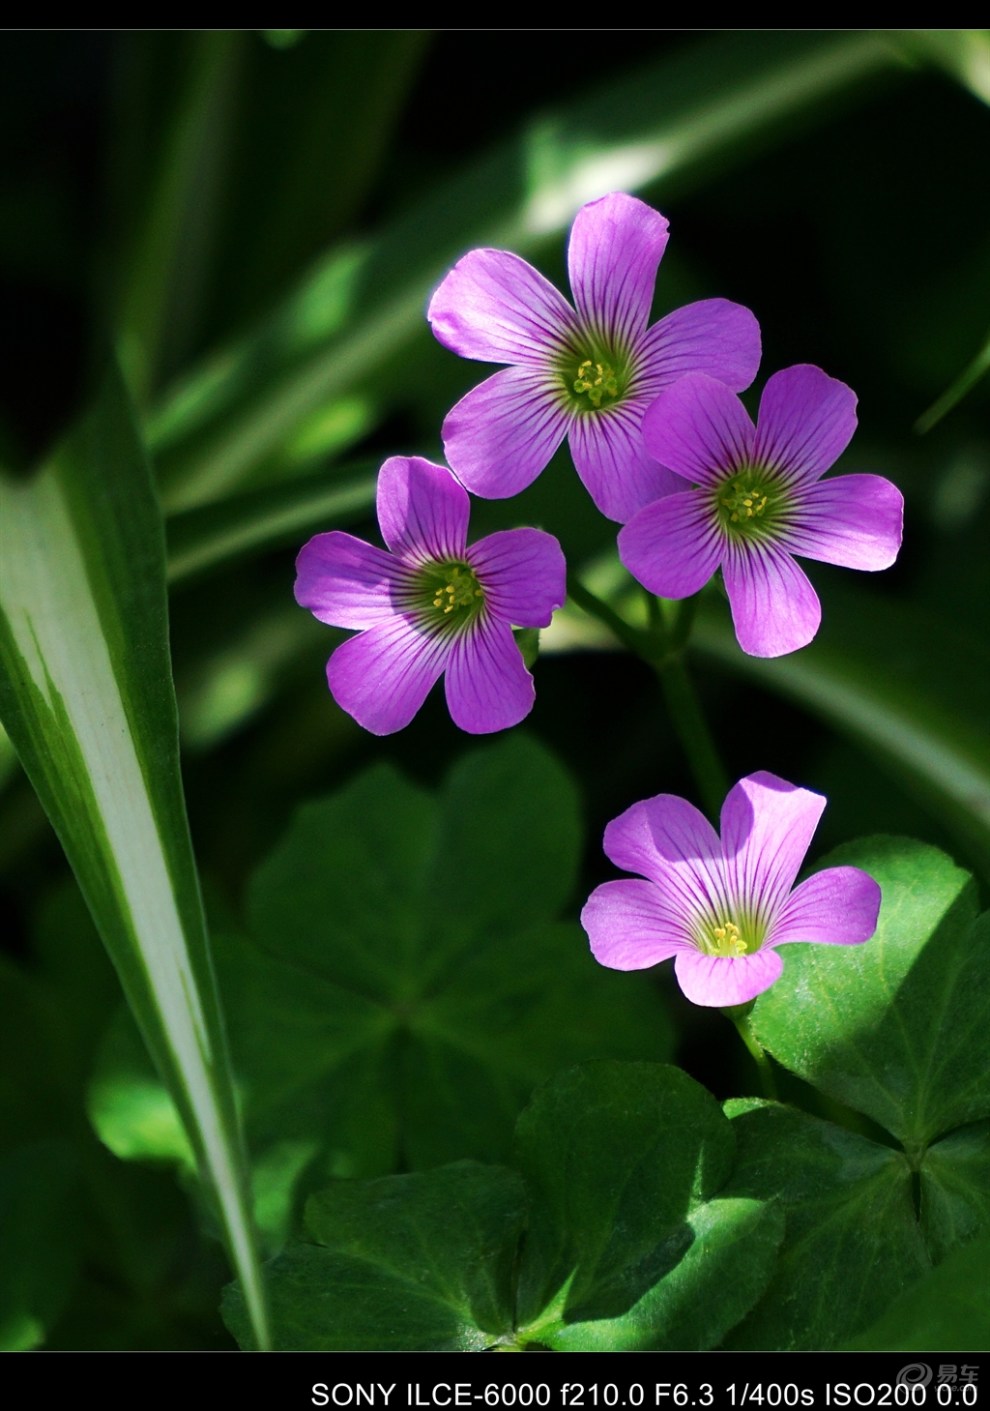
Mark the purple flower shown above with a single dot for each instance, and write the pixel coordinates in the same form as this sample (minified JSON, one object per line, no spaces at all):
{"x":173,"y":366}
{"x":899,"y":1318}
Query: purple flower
{"x":587,"y":373}
{"x":760,"y":499}
{"x":430,"y":605}
{"x":721,"y":907}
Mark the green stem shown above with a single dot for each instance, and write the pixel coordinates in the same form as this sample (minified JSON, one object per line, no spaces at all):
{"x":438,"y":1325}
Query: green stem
{"x":692,"y":731}
{"x":739,"y":1016}
{"x":596,"y":607}
{"x":662,"y":647}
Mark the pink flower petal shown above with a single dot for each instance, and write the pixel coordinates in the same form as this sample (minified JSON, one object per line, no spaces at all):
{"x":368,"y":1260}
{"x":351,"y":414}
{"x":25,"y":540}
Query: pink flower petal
{"x":613,"y":463}
{"x":806,"y":421}
{"x":630,"y":928}
{"x":723,"y":980}
{"x":346,"y":582}
{"x":667,"y":840}
{"x":774,"y":607}
{"x":767,"y":826}
{"x":713,"y":336}
{"x":856,"y":521}
{"x":838,"y":907}
{"x":523,"y":574}
{"x":615,"y":248}
{"x":495,"y":307}
{"x":422,"y":511}
{"x":699,"y":429}
{"x":503,"y":433}
{"x":381,"y":677}
{"x":674,"y":545}
{"x":488,"y":686}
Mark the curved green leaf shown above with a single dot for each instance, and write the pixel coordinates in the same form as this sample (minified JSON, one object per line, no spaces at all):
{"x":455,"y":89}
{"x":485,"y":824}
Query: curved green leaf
{"x":86,"y":696}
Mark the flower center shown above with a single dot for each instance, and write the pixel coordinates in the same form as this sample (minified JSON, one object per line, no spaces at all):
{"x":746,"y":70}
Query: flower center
{"x":748,"y":503}
{"x":596,"y":382}
{"x":725,"y":938}
{"x":450,"y":594}
{"x":594,"y":374}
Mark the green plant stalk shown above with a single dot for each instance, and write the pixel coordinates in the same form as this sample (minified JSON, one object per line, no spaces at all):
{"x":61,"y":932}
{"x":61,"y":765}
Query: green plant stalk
{"x":738,"y":1015}
{"x":662,"y":647}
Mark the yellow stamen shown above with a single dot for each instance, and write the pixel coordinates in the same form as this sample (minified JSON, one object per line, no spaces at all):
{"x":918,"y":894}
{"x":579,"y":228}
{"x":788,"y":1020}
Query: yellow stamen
{"x":724,"y":940}
{"x":596,"y":381}
{"x":455,"y":586}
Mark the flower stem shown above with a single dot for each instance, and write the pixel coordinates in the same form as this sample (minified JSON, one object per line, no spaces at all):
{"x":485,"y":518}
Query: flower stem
{"x":670,"y":627}
{"x":739,"y":1016}
{"x":662,"y":646}
{"x":595,"y":607}
{"x":692,"y":731}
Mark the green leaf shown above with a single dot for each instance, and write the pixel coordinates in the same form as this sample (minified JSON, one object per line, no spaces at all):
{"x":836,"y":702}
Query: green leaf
{"x":612,"y":1184}
{"x":625,"y":1248}
{"x":415,"y":1262}
{"x":86,"y":697}
{"x":611,"y":1220}
{"x":722,"y":1274}
{"x":955,"y":1189}
{"x":521,"y":873}
{"x":200,"y":539}
{"x":947,"y":1309}
{"x":891,"y":1027}
{"x":40,"y":1236}
{"x":964,"y":54}
{"x":852,"y":1242}
{"x":170,"y":247}
{"x":405,"y":985}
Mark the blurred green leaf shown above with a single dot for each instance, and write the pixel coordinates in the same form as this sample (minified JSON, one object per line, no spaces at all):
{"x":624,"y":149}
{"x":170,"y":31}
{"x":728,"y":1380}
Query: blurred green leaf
{"x":85,"y":690}
{"x":964,"y":54}
{"x":40,"y":1236}
{"x":171,"y":246}
{"x":890,"y":1027}
{"x":947,"y":1309}
{"x":200,"y":539}
{"x":31,"y":1094}
{"x":852,"y":1242}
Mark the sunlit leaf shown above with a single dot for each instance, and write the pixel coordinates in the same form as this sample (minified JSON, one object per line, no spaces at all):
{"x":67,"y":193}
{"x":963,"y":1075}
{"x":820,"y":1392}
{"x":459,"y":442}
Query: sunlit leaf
{"x":852,"y":1242}
{"x":626,"y":1248}
{"x":891,"y":1027}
